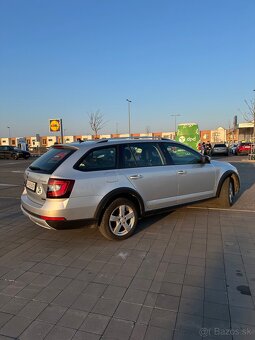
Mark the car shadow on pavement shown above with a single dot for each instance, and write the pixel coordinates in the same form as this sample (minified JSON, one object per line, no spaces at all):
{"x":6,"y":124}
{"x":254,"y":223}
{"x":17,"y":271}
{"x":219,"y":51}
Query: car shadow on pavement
{"x":148,"y":221}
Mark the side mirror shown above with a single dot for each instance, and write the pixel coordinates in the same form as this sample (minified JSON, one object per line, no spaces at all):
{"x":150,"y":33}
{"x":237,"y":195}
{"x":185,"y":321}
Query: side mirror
{"x":205,"y":159}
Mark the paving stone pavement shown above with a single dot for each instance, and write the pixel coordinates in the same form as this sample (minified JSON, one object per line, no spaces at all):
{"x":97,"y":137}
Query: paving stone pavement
{"x":184,"y":275}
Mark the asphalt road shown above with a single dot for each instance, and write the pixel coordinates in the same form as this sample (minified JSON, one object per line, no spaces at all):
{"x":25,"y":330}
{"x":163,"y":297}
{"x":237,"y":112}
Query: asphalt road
{"x":182,"y":275}
{"x":11,"y":181}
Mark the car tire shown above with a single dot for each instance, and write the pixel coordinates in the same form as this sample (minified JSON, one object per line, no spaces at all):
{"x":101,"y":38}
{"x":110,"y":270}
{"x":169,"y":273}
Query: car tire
{"x":119,"y":219}
{"x":227,"y":193}
{"x":15,"y":156}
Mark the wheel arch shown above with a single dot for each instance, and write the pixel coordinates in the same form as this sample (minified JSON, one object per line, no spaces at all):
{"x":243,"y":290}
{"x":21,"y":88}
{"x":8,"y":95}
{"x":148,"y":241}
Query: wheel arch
{"x":127,"y":193}
{"x":15,"y":156}
{"x":234,"y":177}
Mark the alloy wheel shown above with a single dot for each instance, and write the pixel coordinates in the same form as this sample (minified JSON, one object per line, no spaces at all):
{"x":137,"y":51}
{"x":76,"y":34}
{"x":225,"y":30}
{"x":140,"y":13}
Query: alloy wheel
{"x":122,"y":220}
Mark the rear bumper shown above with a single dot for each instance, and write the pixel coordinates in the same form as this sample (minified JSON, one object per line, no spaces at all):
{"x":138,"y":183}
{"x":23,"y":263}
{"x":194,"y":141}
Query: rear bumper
{"x":244,"y":152}
{"x":72,"y":208}
{"x":36,"y":219}
{"x":217,"y":152}
{"x":60,"y":213}
{"x":51,"y":224}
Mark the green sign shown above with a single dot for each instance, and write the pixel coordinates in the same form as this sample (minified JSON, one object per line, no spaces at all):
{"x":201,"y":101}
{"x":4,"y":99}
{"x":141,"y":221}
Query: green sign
{"x":188,"y":134}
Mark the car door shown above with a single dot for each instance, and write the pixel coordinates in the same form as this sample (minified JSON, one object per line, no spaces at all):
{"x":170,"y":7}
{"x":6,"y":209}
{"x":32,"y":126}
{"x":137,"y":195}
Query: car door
{"x":10,"y":153}
{"x":1,"y":151}
{"x":144,"y":166}
{"x":97,"y":173}
{"x":195,"y":179}
{"x":5,"y":152}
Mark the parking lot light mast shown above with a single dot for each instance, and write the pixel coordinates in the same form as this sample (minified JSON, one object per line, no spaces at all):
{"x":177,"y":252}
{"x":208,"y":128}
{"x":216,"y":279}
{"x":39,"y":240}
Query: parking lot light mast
{"x":8,"y":127}
{"x":175,"y":115}
{"x":253,"y":107}
{"x":129,"y":123}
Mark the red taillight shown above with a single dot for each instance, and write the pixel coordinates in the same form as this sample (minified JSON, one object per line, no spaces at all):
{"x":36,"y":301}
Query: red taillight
{"x":47,"y":218}
{"x":59,"y":188}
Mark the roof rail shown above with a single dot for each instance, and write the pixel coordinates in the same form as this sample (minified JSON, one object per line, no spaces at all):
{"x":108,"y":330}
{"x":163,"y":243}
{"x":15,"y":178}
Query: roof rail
{"x":100,"y":140}
{"x":131,"y":138}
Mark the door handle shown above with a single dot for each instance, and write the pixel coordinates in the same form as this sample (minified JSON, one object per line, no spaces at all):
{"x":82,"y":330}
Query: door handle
{"x":135,"y":176}
{"x":181,"y":172}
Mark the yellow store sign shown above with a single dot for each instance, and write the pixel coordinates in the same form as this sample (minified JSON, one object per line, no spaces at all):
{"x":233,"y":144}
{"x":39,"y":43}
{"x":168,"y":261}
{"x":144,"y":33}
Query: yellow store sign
{"x":55,"y":125}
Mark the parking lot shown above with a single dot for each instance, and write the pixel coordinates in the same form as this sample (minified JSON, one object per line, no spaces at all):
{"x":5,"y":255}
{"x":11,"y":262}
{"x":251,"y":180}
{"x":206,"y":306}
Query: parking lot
{"x":188,"y":274}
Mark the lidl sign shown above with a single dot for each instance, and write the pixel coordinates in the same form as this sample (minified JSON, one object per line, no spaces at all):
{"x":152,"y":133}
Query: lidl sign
{"x":55,"y":125}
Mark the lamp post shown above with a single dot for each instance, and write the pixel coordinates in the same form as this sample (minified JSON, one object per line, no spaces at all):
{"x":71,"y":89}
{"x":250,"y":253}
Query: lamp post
{"x":175,"y":115}
{"x":8,"y":127}
{"x":253,"y":107}
{"x":129,"y":129}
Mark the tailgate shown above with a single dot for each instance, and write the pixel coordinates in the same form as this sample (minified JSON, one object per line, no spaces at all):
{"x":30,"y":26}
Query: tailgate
{"x":36,"y":186}
{"x":39,"y":172}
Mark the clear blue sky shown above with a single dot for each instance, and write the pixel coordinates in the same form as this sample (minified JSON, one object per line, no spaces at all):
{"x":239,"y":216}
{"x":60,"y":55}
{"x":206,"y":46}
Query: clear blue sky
{"x":67,"y":58}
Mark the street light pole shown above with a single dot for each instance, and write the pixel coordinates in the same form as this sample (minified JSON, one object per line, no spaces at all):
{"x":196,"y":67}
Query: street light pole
{"x":8,"y":127}
{"x":253,"y":107}
{"x":129,"y":128}
{"x":61,"y":130}
{"x":175,"y":115}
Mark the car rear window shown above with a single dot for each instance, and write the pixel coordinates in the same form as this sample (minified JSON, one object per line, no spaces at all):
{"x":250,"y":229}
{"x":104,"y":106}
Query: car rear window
{"x":51,"y":160}
{"x":220,"y":146}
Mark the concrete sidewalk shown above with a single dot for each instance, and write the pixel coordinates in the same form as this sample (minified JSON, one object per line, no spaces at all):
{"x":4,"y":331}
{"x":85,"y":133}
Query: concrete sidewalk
{"x":183,"y":275}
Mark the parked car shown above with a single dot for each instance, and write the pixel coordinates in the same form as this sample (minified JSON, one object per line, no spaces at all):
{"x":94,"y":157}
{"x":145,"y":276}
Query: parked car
{"x":232,"y":148}
{"x":7,"y":151}
{"x":113,"y":183}
{"x":219,"y":149}
{"x":243,"y":148}
{"x":22,"y":153}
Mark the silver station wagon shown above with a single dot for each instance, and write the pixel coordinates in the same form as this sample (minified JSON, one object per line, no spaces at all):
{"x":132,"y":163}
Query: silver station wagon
{"x":115,"y":182}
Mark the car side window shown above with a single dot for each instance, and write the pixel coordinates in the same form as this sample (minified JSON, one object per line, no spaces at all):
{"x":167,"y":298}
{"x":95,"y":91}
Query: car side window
{"x":129,"y":160}
{"x":182,"y":155}
{"x":141,"y":155}
{"x":98,"y":159}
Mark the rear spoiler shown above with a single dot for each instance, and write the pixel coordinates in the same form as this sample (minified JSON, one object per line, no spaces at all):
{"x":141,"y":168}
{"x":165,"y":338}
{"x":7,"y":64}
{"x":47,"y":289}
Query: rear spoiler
{"x":64,"y":146}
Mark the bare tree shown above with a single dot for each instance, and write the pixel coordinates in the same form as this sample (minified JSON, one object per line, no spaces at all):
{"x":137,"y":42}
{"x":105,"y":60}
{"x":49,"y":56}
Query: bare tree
{"x":249,"y":116}
{"x":96,"y":121}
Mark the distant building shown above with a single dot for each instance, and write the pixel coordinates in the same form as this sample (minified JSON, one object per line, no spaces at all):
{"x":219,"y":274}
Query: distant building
{"x":69,"y":139}
{"x":240,"y":132}
{"x":4,"y":141}
{"x":245,"y":131}
{"x":205,"y":135}
{"x":86,"y":137}
{"x":105,"y":136}
{"x":169,"y":135}
{"x":218,"y":135}
{"x":157,"y":134}
{"x":146,"y":134}
{"x":115,"y":135}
